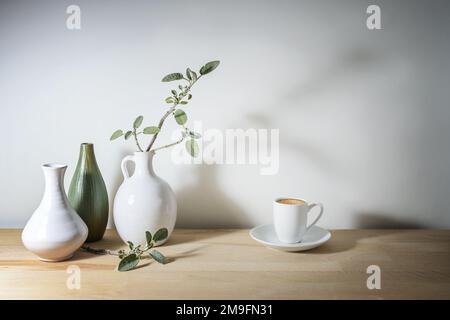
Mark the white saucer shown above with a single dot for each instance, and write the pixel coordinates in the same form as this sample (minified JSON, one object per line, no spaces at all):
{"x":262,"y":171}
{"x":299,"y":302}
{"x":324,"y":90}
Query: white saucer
{"x":315,"y":237}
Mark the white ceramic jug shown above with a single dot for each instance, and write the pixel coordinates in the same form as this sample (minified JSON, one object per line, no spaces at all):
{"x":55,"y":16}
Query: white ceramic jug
{"x":55,"y":231}
{"x":144,"y":201}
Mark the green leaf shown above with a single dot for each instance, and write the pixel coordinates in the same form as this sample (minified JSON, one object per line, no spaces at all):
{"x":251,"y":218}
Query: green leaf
{"x":148,"y":236}
{"x":183,"y":102}
{"x":188,"y":74}
{"x":191,"y":75}
{"x":137,"y":123}
{"x":129,"y":262}
{"x":158,"y":256}
{"x":130,"y":245}
{"x":174,"y":93}
{"x":189,"y":96}
{"x":151,"y":130}
{"x":172,"y":77}
{"x":210,"y":66}
{"x":169,"y":100}
{"x":128,"y":135}
{"x":180,"y":117}
{"x":194,"y":135}
{"x":161,"y":234}
{"x":116,"y":134}
{"x":192,"y":147}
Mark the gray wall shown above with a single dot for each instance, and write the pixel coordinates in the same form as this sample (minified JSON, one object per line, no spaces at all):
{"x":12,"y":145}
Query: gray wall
{"x":364,"y":116}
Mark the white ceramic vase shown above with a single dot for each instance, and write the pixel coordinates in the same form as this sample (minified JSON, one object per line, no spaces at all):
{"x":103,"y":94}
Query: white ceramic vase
{"x":144,"y":201}
{"x":54,"y":231}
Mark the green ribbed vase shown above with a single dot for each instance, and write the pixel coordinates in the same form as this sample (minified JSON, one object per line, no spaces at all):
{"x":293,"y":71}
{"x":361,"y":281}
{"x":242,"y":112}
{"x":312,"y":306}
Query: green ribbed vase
{"x":88,"y":195}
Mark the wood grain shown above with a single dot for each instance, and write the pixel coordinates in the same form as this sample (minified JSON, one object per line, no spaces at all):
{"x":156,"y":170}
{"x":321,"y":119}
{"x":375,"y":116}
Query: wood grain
{"x":228,"y":264}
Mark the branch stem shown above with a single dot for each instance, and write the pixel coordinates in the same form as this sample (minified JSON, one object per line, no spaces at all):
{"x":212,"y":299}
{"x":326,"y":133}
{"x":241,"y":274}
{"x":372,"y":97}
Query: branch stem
{"x":169,"y":145}
{"x":160,"y":124}
{"x":99,"y":251}
{"x":172,"y":109}
{"x":137,"y":141}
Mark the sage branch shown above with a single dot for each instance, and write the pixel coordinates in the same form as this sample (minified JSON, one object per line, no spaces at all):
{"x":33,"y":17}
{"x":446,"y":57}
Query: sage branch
{"x":178,"y":99}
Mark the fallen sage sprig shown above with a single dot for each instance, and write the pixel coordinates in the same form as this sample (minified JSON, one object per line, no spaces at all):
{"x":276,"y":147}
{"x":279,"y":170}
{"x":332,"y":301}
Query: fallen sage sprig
{"x":130,"y":259}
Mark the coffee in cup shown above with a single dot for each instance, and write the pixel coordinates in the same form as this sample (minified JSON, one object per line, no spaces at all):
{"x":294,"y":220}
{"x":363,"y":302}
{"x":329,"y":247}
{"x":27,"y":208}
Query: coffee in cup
{"x":290,"y":216}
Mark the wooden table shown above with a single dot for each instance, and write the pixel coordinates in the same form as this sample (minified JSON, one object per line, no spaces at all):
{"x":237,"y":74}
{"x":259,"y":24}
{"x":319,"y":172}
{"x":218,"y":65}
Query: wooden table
{"x":228,"y":264}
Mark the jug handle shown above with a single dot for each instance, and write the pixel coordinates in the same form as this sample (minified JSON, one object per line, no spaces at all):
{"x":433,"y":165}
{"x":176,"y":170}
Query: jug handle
{"x":123,"y":166}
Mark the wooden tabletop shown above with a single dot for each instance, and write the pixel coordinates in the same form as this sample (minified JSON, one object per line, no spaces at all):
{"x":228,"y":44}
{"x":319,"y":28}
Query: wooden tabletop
{"x":228,"y":264}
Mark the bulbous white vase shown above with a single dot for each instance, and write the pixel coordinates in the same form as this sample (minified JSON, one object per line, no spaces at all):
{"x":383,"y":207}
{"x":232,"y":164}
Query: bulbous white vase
{"x":55,"y":231}
{"x":144,"y":201}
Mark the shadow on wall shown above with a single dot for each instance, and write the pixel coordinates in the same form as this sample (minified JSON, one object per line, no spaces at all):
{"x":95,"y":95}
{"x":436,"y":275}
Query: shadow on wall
{"x":204,"y":204}
{"x":344,"y":66}
{"x":379,"y":220}
{"x":117,"y":182}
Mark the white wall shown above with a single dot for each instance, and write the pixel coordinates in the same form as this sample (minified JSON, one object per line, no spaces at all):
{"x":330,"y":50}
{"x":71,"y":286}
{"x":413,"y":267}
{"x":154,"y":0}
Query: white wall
{"x":363,"y":115}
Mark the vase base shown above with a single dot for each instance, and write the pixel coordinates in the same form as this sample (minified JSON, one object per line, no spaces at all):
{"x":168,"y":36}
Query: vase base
{"x":57,"y":260}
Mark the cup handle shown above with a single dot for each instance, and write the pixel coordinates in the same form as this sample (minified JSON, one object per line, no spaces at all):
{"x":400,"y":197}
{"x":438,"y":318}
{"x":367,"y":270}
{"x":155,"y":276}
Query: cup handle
{"x":312,"y":205}
{"x":123,"y":166}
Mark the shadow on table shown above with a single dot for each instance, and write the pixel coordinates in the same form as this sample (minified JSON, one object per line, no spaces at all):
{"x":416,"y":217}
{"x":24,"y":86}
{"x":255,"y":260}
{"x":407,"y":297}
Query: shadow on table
{"x":367,"y":222}
{"x":185,"y":254}
{"x":184,"y":236}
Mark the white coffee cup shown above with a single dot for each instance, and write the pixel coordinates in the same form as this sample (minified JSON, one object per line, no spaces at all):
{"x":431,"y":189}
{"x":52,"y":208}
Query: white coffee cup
{"x":290,"y":216}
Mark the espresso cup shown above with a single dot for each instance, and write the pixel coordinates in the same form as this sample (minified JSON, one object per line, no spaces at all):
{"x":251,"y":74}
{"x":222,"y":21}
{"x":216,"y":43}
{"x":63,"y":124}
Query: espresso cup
{"x":290,"y":218}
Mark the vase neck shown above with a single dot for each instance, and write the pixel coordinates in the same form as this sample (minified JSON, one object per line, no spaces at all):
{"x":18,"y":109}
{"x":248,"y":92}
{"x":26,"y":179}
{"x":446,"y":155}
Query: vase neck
{"x":87,"y":156}
{"x":143,"y":163}
{"x":54,"y":184}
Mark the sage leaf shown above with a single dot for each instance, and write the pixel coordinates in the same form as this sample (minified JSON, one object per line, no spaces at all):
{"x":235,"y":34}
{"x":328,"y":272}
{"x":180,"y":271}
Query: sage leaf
{"x":191,"y":75}
{"x":116,"y":134}
{"x":180,"y":117}
{"x":128,"y":263}
{"x":183,"y":102}
{"x":130,"y":245}
{"x":189,"y":96}
{"x":137,"y":123}
{"x":151,"y":130}
{"x":192,"y":147}
{"x":158,"y":256}
{"x":169,"y":100}
{"x":188,"y":74}
{"x":174,"y":93}
{"x":128,"y":135}
{"x":172,"y":77}
{"x":148,"y":237}
{"x":161,"y":234}
{"x":210,"y":66}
